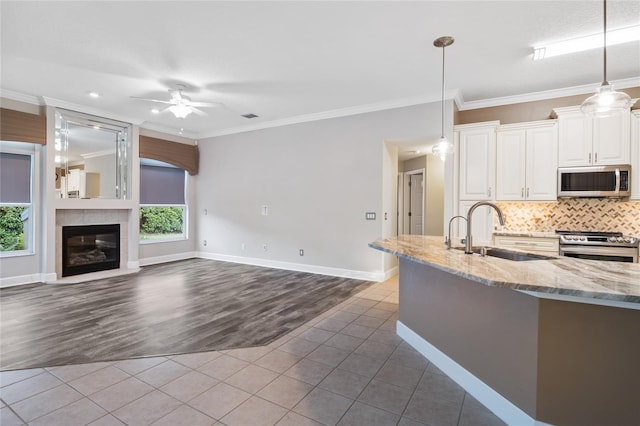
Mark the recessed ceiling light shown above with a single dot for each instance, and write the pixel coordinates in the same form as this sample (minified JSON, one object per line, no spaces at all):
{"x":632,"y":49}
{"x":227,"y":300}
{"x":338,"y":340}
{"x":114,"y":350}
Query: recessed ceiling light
{"x":250,"y":115}
{"x":580,"y":44}
{"x":94,"y":94}
{"x":155,"y":111}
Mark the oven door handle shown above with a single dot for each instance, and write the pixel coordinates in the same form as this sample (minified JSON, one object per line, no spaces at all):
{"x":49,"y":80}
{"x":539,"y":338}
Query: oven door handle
{"x":604,"y":251}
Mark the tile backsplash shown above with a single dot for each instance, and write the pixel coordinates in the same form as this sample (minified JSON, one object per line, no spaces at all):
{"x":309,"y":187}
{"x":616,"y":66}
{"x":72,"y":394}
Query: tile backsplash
{"x":579,"y":214}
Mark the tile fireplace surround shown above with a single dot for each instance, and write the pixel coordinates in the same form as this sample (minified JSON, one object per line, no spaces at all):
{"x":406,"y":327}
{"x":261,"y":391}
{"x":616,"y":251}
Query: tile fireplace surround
{"x":92,"y":217}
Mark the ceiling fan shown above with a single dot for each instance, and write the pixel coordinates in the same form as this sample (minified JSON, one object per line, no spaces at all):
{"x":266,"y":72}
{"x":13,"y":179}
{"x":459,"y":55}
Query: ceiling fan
{"x":180,"y":104}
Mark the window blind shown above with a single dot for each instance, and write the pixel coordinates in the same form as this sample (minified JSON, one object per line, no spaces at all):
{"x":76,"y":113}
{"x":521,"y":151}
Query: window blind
{"x":161,"y":185}
{"x":15,"y":178}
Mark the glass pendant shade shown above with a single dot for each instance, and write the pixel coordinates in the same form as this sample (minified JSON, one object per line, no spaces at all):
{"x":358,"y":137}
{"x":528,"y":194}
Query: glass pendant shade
{"x":180,"y":110}
{"x":442,"y":148}
{"x":606,"y":102}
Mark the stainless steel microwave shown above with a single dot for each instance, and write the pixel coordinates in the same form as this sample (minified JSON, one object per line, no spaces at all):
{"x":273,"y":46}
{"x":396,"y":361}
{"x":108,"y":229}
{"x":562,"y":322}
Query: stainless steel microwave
{"x":594,"y":181}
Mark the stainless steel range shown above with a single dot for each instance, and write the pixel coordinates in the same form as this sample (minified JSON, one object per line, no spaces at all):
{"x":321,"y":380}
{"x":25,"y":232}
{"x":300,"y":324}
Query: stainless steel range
{"x":593,"y":245}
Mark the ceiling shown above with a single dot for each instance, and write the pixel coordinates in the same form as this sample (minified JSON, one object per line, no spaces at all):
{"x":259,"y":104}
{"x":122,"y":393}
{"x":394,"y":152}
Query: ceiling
{"x":284,"y":61}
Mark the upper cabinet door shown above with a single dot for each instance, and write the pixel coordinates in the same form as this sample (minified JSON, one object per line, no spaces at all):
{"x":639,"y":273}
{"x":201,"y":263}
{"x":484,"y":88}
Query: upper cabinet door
{"x":584,"y":141}
{"x":477,"y":162}
{"x":611,"y":140}
{"x":510,"y":165}
{"x":542,"y":163}
{"x":575,"y":135}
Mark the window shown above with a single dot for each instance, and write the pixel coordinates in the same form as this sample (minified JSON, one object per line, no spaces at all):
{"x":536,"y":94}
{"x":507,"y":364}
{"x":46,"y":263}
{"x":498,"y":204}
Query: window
{"x":163,"y":210}
{"x":16,"y":208}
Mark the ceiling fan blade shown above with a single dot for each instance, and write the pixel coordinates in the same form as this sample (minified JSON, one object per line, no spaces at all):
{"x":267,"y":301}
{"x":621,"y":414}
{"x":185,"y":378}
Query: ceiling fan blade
{"x":152,"y":100}
{"x":197,"y":111}
{"x":205,"y":104}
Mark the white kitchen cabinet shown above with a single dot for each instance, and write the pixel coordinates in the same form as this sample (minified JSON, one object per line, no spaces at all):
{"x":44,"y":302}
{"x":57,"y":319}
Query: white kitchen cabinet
{"x":635,"y":155}
{"x":586,"y":141}
{"x":477,"y":147}
{"x":537,"y":245}
{"x":526,"y":166}
{"x":481,"y":224}
{"x":81,"y":184}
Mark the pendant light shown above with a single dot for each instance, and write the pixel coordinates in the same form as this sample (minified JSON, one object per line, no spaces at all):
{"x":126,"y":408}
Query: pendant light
{"x":443,"y":147}
{"x":606,"y":101}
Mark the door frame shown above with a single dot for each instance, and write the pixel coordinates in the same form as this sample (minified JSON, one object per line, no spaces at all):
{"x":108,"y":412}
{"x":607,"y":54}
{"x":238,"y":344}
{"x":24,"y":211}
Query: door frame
{"x":406,"y":195}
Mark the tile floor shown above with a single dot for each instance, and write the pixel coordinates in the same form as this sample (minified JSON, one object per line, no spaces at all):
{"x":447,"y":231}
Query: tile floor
{"x":345,"y":367}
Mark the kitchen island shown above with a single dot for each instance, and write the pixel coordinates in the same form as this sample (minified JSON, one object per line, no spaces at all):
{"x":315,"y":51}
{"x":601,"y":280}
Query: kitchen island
{"x":554,"y":341}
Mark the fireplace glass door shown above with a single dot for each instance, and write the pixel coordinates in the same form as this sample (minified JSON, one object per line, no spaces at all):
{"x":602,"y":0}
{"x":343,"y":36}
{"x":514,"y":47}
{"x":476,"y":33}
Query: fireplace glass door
{"x":90,"y":248}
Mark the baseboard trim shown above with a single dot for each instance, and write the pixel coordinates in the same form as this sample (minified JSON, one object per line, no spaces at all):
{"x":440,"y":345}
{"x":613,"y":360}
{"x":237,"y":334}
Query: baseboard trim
{"x":499,"y":405}
{"x":298,"y":267}
{"x":389,"y":273}
{"x":21,"y":280}
{"x":167,"y":258}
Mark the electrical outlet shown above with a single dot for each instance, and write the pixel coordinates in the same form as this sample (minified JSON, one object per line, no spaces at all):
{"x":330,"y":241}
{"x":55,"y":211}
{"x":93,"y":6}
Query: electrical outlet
{"x":265,"y":247}
{"x":204,"y":243}
{"x":301,"y":252}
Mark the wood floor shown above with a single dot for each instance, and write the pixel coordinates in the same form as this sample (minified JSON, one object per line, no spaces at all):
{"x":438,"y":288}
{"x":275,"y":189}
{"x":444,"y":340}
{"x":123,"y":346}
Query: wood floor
{"x":189,"y":306}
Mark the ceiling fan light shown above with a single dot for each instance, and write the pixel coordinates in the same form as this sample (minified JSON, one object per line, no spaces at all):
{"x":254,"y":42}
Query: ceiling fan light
{"x":180,"y":110}
{"x":442,"y":148}
{"x":606,"y":102}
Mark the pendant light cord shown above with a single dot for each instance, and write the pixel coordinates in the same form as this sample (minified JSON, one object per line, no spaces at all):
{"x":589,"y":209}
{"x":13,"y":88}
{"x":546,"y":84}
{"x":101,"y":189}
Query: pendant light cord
{"x":605,"y":42}
{"x":442,"y":135}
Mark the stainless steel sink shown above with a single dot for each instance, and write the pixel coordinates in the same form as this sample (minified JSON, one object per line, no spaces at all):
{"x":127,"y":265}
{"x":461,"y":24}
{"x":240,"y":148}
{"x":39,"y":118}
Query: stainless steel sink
{"x":516,"y":256}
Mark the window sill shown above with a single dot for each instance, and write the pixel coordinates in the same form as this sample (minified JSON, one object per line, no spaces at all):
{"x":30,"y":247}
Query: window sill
{"x":21,"y":253}
{"x":160,"y":240}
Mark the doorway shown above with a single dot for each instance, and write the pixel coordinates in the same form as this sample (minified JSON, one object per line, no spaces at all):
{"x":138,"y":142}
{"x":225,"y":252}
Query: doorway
{"x":412,"y":202}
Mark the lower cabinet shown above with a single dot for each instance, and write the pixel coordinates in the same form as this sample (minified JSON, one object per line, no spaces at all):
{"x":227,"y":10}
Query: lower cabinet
{"x":537,"y":245}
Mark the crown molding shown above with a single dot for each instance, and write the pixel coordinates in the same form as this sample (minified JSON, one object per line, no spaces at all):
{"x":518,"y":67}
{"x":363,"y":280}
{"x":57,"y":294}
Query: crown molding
{"x":335,"y":113}
{"x":21,"y":97}
{"x":168,"y":130}
{"x":547,"y":94}
{"x":87,"y":110}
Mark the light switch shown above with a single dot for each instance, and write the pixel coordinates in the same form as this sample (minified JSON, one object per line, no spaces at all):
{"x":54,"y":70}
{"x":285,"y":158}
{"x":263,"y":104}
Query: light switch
{"x":265,"y":210}
{"x":370,"y":216}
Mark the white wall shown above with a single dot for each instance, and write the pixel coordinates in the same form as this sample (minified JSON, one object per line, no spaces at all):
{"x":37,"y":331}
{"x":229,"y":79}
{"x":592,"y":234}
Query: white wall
{"x":106,"y":166}
{"x":317,"y":178}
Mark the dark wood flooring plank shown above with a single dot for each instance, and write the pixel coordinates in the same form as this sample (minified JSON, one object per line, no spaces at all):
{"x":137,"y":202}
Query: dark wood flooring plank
{"x":180,"y":307}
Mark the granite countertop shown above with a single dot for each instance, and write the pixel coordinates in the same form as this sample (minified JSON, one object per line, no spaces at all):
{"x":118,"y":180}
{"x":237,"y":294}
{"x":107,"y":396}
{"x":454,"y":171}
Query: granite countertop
{"x":591,"y":280}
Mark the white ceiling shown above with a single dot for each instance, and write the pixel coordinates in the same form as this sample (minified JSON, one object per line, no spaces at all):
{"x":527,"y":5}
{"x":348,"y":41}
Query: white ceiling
{"x":282,"y":60}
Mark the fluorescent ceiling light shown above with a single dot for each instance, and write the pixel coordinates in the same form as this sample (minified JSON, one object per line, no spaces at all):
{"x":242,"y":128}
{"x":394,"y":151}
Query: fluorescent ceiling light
{"x":580,"y":44}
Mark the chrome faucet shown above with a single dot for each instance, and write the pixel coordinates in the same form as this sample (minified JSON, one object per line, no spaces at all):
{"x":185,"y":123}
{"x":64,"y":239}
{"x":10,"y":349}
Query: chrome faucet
{"x":468,"y":243}
{"x":447,"y":239}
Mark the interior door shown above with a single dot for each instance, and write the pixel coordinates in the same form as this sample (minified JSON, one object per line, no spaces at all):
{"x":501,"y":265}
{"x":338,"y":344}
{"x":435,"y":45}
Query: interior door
{"x":416,"y":204}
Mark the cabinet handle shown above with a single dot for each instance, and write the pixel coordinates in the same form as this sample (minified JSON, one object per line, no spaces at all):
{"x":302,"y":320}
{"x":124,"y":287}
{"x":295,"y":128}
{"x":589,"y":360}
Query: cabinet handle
{"x":489,"y":192}
{"x":522,"y":193}
{"x":589,"y":158}
{"x":596,"y":158}
{"x":527,"y":192}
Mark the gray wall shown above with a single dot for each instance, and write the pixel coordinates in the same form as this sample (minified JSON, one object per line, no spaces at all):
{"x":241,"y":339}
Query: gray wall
{"x":318,"y":179}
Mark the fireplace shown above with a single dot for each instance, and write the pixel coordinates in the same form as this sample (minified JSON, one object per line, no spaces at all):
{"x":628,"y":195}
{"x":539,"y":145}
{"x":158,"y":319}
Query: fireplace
{"x":90,"y":248}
